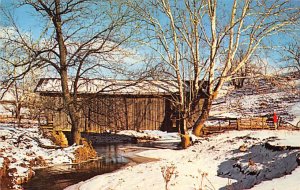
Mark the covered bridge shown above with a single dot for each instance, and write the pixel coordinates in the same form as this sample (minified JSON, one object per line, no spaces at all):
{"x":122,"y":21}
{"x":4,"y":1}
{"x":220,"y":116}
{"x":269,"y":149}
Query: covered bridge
{"x":113,"y":104}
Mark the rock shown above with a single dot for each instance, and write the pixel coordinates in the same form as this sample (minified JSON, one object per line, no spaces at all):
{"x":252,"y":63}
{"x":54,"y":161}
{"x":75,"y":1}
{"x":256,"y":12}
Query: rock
{"x":13,"y":160}
{"x":24,"y":179}
{"x":243,"y":148}
{"x":28,"y":146}
{"x":23,"y":165}
{"x":252,"y":169}
{"x":38,"y":161}
{"x":4,"y":179}
{"x":12,"y":171}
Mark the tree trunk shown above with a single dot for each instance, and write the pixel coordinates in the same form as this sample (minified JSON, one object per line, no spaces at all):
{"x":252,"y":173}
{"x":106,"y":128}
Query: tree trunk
{"x":197,"y":129}
{"x":75,"y":133}
{"x":18,"y":113}
{"x":70,"y":105}
{"x":69,"y":101}
{"x":182,"y":122}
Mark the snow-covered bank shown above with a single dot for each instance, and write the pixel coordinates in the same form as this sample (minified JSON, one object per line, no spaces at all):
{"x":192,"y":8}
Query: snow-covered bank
{"x":25,"y":148}
{"x":152,"y":135}
{"x":217,"y":162}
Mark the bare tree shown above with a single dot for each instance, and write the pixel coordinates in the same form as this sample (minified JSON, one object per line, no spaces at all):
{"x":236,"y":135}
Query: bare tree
{"x":19,"y":89}
{"x":249,"y":72}
{"x":291,"y":56}
{"x":78,"y":40}
{"x":20,"y":92}
{"x":198,"y":42}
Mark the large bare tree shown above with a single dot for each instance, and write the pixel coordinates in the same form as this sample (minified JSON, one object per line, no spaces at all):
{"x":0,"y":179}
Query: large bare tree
{"x":79,"y":38}
{"x":198,"y":41}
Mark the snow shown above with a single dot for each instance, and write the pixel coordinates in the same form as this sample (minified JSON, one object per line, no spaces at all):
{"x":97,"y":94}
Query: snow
{"x":212,"y":163}
{"x":111,"y":86}
{"x":295,"y":109}
{"x":7,"y":95}
{"x":1,"y":161}
{"x":260,"y":99}
{"x":290,"y":182}
{"x":4,"y":109}
{"x":152,"y":134}
{"x":21,"y":147}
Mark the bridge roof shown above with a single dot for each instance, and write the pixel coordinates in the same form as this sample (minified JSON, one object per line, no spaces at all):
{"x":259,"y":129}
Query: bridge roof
{"x":110,"y":87}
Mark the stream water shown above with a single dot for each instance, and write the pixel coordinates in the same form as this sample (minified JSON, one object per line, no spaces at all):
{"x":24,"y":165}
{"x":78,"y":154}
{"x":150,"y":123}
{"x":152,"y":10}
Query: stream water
{"x":60,"y":177}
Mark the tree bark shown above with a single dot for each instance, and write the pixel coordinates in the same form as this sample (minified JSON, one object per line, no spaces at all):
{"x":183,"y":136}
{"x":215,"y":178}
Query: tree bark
{"x":199,"y":124}
{"x":18,"y":112}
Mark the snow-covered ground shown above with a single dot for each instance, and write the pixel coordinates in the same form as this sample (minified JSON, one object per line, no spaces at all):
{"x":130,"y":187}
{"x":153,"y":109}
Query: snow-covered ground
{"x":23,"y":148}
{"x":232,"y":160}
{"x":260,"y":99}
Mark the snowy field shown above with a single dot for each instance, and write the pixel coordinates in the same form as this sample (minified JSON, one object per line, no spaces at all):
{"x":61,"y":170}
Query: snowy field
{"x":26,"y":148}
{"x":233,"y":160}
{"x":260,"y":100}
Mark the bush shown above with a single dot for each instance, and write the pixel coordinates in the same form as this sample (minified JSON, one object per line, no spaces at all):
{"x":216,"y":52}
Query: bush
{"x":85,"y":152}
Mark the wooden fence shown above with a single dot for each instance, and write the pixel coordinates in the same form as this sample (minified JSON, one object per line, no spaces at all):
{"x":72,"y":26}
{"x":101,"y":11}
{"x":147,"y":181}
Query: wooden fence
{"x":240,"y":124}
{"x":253,"y":123}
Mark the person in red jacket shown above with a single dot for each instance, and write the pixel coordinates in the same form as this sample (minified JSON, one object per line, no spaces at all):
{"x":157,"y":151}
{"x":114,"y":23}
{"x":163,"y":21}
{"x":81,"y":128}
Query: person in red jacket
{"x":275,"y":120}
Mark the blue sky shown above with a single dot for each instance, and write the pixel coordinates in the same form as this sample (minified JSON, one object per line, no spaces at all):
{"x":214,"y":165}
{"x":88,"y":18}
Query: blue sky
{"x":28,"y":21}
{"x":24,"y":17}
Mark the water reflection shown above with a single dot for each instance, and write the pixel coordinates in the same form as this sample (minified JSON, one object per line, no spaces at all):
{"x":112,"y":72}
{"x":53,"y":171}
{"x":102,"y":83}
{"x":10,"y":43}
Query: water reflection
{"x":60,"y":177}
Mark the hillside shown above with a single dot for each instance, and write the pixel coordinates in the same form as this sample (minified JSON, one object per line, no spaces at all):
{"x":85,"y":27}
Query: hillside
{"x":260,"y":98}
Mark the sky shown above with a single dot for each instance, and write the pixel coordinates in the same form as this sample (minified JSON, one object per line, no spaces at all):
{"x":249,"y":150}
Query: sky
{"x":28,"y":20}
{"x":31,"y":23}
{"x":23,"y":16}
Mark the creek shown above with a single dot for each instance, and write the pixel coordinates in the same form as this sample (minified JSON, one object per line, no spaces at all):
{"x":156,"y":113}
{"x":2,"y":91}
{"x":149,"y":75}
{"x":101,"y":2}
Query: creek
{"x":61,"y":176}
{"x":112,"y":158}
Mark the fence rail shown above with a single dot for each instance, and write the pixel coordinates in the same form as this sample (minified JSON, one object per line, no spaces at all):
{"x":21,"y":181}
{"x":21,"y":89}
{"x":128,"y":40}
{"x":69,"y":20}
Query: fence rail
{"x":240,"y":124}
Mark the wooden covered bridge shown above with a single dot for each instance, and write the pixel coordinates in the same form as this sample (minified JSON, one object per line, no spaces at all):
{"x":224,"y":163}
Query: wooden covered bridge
{"x":113,"y":105}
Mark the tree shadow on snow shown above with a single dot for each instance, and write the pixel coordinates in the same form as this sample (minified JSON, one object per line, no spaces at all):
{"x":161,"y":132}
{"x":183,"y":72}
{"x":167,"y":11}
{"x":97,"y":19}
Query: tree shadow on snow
{"x":265,"y":164}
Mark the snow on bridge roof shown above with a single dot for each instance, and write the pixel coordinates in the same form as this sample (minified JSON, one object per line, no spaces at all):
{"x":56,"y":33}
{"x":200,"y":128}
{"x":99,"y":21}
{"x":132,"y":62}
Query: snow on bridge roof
{"x":111,"y":87}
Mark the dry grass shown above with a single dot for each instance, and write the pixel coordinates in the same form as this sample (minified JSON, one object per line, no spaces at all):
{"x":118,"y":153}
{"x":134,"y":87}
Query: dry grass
{"x":59,"y":138}
{"x":167,"y":173}
{"x":204,"y":179}
{"x":85,"y":152}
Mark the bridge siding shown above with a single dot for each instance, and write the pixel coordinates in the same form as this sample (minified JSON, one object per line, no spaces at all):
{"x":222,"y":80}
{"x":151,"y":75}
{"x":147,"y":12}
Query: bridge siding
{"x":113,"y":113}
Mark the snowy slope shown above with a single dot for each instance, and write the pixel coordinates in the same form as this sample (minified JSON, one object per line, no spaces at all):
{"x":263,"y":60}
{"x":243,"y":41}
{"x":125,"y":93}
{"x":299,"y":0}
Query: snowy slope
{"x":261,"y":98}
{"x":22,"y":146}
